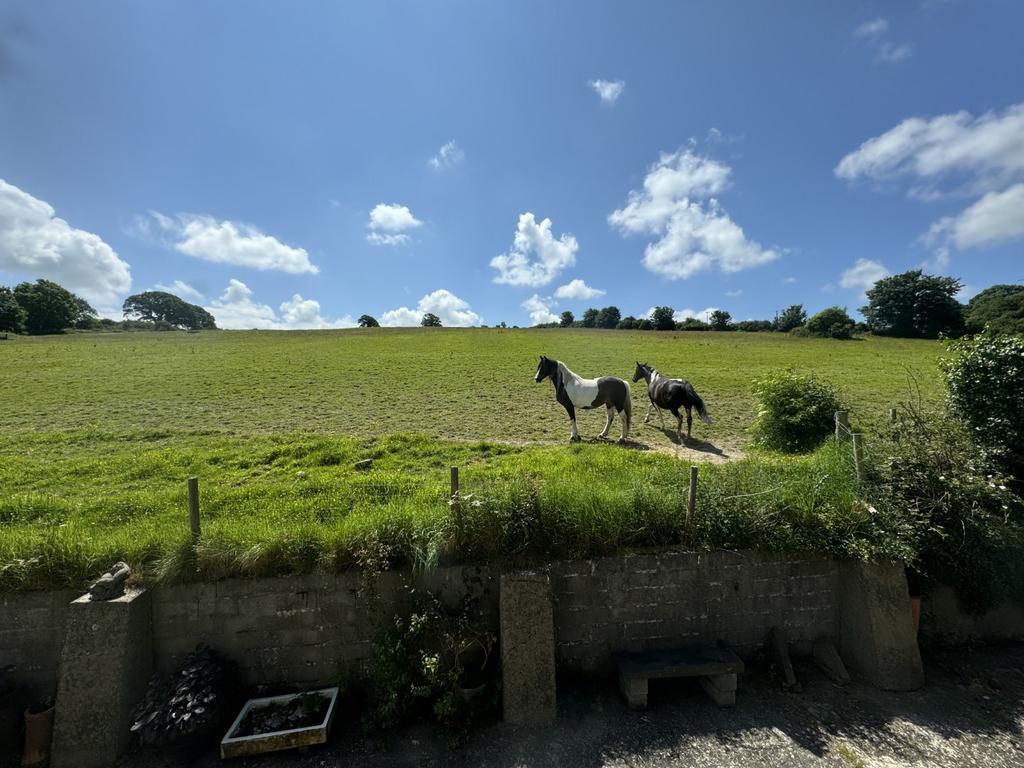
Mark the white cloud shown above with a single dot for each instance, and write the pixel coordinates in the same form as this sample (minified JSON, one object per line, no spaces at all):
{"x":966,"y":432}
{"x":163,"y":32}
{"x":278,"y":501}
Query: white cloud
{"x":608,"y":90}
{"x":988,"y":150}
{"x":447,"y":156}
{"x":535,"y":240}
{"x":696,"y":235}
{"x":388,"y":224}
{"x":236,"y":310}
{"x":788,"y":280}
{"x":540,"y":310}
{"x":34,"y":243}
{"x":874,"y":34}
{"x":863,"y":275}
{"x":734,"y":293}
{"x":682,"y":314}
{"x":223,"y":242}
{"x":181,"y":289}
{"x":715,"y":136}
{"x":872,"y":29}
{"x":997,"y":217}
{"x":955,"y":153}
{"x":453,"y":311}
{"x":577,"y":290}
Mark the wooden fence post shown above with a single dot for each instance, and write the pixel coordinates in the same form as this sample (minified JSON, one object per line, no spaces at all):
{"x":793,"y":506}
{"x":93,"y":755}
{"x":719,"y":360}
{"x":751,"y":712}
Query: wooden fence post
{"x":691,"y":499}
{"x":842,"y":424}
{"x":892,"y":415}
{"x":858,"y":457}
{"x":193,"y":506}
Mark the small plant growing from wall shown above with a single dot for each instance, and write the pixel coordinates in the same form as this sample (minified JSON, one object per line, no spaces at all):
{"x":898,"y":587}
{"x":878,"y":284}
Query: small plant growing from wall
{"x":436,"y":662}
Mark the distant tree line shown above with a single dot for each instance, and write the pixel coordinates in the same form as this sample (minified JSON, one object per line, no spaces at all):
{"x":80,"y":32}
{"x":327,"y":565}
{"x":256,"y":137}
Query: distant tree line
{"x":909,"y":305}
{"x":46,"y":307}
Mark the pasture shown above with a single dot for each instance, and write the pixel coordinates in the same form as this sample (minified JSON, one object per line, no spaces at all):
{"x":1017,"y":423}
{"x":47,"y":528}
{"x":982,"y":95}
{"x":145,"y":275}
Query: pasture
{"x":101,"y":431}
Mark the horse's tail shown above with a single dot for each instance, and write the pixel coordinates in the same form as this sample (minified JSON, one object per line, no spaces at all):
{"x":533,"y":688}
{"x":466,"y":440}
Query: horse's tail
{"x":702,"y":411}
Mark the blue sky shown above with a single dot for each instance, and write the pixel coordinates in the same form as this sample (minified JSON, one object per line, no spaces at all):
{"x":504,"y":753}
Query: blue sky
{"x":298,"y":164}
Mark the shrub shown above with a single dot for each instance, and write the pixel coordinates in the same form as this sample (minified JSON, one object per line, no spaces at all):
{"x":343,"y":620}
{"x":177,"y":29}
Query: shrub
{"x":831,"y":323}
{"x":795,"y":413}
{"x":964,"y":522}
{"x":999,"y":308}
{"x":985,"y":376}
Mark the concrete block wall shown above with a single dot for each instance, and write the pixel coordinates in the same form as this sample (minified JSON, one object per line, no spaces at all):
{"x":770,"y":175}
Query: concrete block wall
{"x":668,"y":599}
{"x":295,"y":630}
{"x":31,"y":637}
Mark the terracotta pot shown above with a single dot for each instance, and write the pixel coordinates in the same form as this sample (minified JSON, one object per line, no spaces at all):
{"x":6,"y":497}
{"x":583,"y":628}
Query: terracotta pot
{"x":38,"y":731}
{"x":915,"y":611}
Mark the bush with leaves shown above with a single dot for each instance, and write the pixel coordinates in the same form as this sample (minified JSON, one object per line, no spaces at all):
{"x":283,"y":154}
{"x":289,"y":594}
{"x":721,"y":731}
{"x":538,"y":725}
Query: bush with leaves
{"x":966,"y":523}
{"x":795,"y":412}
{"x":985,"y":377}
{"x":187,"y":706}
{"x":425,"y":663}
{"x":831,"y":323}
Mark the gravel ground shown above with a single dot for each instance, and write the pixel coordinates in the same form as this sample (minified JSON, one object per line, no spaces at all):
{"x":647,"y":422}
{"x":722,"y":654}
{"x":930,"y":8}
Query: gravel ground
{"x":970,"y":714}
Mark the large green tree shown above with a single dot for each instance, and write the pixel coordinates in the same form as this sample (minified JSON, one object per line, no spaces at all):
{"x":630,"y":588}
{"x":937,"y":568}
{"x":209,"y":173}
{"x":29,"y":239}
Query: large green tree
{"x":368,"y":321}
{"x":567,"y":319}
{"x":913,"y":304}
{"x":608,"y":317}
{"x":430,"y":320}
{"x":791,"y":317}
{"x":49,"y":308}
{"x":720,"y":320}
{"x":832,"y":323}
{"x":662,"y":319}
{"x":160,"y":306}
{"x":590,"y":318}
{"x":1000,"y":307}
{"x":12,"y":316}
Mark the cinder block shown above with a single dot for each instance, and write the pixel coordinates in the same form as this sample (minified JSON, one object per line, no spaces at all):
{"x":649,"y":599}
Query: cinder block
{"x":721,"y":689}
{"x":527,"y":648}
{"x":105,"y":666}
{"x":877,"y":637}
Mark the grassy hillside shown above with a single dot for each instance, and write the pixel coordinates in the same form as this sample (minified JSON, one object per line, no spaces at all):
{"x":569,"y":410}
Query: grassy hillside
{"x":100,"y":432}
{"x":445,"y":383}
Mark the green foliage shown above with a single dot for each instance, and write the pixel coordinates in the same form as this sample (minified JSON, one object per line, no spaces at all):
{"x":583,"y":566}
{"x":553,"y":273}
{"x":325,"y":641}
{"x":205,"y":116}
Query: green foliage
{"x":12,"y":316}
{"x":795,"y":412}
{"x":425,"y":663}
{"x":368,"y":321}
{"x":590,"y":317}
{"x":628,"y":323}
{"x":608,"y":317}
{"x":985,"y":377}
{"x":692,"y":324}
{"x":791,"y":317}
{"x":49,"y":308}
{"x":754,"y":326}
{"x":163,"y":307}
{"x":999,"y":308}
{"x":430,"y":320}
{"x":831,"y":323}
{"x":720,"y":320}
{"x":914,"y":305}
{"x":963,"y":524}
{"x":644,"y":324}
{"x":662,"y":318}
{"x":567,"y":319}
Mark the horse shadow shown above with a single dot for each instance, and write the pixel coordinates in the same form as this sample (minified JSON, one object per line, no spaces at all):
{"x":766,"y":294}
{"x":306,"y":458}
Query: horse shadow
{"x":701,"y":446}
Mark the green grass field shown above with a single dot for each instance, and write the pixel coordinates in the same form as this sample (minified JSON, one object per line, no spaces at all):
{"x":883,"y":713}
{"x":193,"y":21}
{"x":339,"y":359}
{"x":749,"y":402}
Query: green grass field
{"x":101,"y":431}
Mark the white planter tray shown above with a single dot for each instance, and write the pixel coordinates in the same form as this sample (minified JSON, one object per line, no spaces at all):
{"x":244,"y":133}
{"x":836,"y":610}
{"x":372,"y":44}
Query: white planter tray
{"x":239,"y":746}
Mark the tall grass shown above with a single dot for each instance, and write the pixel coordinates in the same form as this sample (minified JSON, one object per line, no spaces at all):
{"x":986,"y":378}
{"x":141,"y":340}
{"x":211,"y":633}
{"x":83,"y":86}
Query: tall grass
{"x":296,"y":503}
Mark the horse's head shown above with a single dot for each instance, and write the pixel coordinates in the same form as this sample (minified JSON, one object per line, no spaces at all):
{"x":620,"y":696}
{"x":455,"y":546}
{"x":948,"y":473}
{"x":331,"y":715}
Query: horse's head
{"x":545,"y":368}
{"x":641,"y":371}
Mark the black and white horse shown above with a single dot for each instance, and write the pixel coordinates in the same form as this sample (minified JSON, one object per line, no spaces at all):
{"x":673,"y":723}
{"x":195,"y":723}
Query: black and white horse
{"x":671,"y":394}
{"x":574,"y":392}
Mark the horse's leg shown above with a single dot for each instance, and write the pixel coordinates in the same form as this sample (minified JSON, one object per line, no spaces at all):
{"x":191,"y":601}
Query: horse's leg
{"x":689,"y":420}
{"x":610,"y":411}
{"x":679,"y":422}
{"x":647,"y":417}
{"x":625,"y":426}
{"x":661,"y":417}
